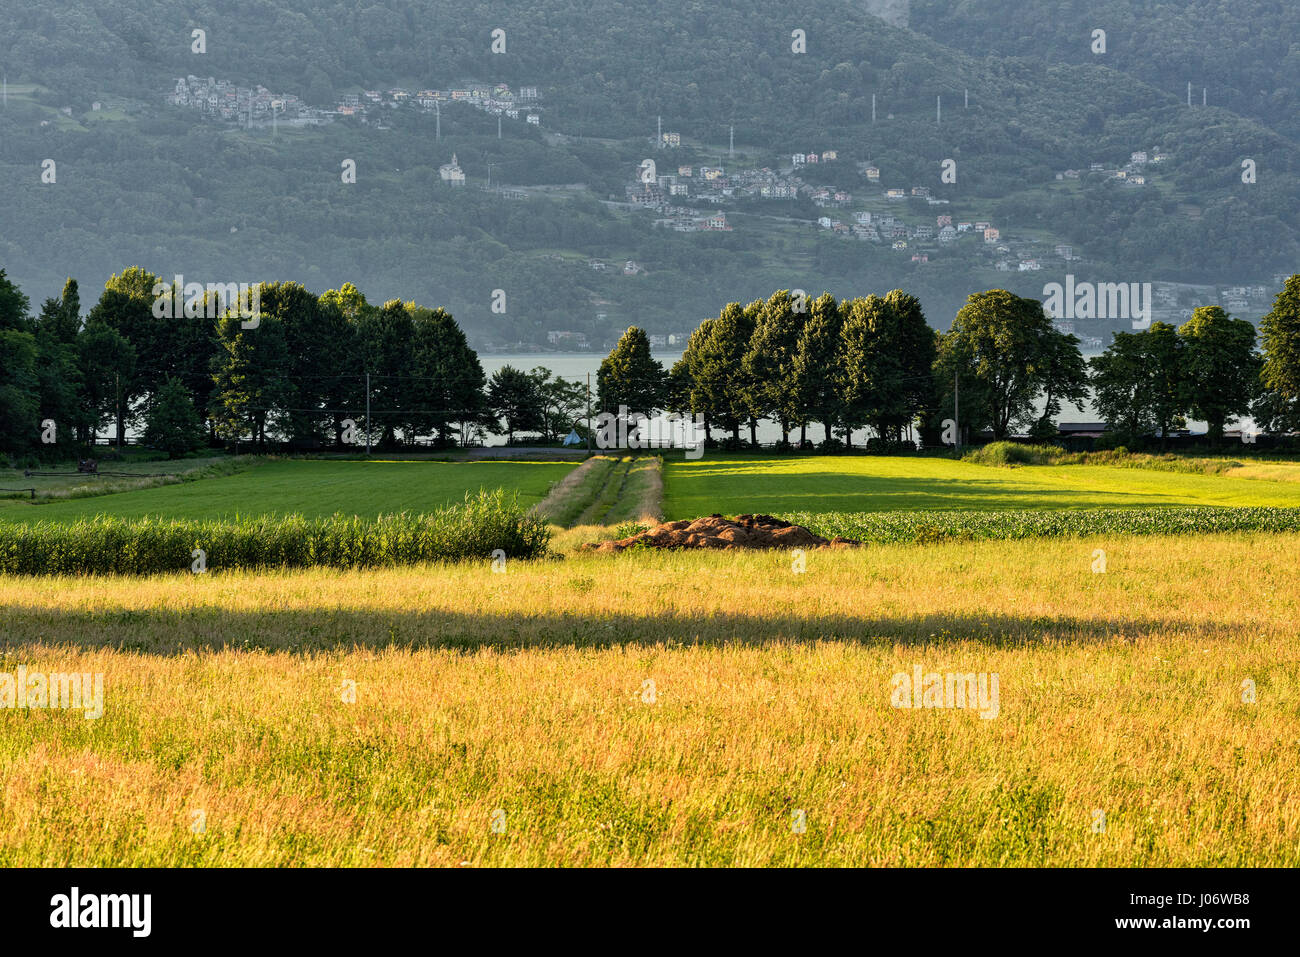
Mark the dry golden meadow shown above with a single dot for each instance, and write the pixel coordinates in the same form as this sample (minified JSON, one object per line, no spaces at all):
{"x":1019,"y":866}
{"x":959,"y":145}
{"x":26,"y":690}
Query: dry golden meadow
{"x":509,"y":719}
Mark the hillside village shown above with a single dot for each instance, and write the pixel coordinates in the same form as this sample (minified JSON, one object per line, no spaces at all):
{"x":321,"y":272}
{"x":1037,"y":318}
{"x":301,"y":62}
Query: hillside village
{"x":226,"y":101}
{"x":910,"y":221}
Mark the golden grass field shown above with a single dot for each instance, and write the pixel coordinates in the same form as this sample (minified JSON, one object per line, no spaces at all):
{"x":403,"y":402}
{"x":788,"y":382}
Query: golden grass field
{"x":526,"y":692}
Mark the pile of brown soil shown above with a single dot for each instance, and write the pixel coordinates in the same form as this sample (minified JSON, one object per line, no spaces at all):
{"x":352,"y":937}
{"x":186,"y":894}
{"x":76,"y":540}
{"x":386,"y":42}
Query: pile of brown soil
{"x":745,"y":531}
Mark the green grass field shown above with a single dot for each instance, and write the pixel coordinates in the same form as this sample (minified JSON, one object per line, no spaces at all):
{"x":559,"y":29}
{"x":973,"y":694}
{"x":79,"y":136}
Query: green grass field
{"x":310,"y":488}
{"x":733,"y":484}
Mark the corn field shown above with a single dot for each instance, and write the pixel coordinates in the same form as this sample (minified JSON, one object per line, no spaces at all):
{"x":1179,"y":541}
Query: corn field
{"x":476,"y":528}
{"x":887,"y":528}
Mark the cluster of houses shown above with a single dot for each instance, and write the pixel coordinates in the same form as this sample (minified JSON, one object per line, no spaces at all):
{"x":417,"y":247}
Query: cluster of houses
{"x":798,"y":160}
{"x":1174,"y":303}
{"x":683,"y":220}
{"x":497,"y":99}
{"x":578,"y":341}
{"x":1133,"y":173}
{"x":878,"y":228}
{"x":712,"y":185}
{"x":1236,"y":298}
{"x":225,"y":100}
{"x":565,"y":338}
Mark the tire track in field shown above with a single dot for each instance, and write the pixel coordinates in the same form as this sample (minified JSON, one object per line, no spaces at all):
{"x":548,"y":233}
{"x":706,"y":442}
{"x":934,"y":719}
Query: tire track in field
{"x":603,"y":502}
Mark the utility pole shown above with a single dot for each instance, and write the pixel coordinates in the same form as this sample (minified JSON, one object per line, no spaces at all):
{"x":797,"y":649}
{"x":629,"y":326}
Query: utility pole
{"x":367,"y":413}
{"x":437,"y":121}
{"x":731,"y":148}
{"x":588,"y":413}
{"x":498,"y":126}
{"x":873,"y":108}
{"x":956,"y":422}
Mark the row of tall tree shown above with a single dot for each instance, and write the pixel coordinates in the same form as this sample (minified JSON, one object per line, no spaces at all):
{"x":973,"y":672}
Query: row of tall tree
{"x":307,"y":370}
{"x":1001,"y":368}
{"x":313,"y":370}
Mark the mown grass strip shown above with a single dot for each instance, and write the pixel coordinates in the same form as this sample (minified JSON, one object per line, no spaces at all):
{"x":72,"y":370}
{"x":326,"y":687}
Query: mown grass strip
{"x":884,"y":528}
{"x":476,"y":528}
{"x":594,"y":514}
{"x":571,"y":496}
{"x":642,"y":495}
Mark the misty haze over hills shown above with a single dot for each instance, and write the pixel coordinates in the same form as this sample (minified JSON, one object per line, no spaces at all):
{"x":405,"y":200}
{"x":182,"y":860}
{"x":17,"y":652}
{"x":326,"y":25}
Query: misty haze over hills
{"x":1083,"y":164}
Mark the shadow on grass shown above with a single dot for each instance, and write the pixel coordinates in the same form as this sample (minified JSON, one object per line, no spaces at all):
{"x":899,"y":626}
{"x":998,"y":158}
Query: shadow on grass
{"x":168,"y":632}
{"x":730,"y":486}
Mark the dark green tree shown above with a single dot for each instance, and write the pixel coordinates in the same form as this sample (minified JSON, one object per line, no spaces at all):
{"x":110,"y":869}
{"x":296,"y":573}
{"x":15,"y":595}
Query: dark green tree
{"x":171,"y":423}
{"x":14,"y":306}
{"x":452,"y":381}
{"x":19,"y":376}
{"x":629,"y":376}
{"x":1279,"y":407}
{"x":513,"y":396}
{"x":563,"y":403}
{"x":717,"y":366}
{"x":104,"y":358}
{"x":1000,"y":348}
{"x":1164,"y":355}
{"x":768,"y":366}
{"x":1064,"y":376}
{"x":817,"y":356}
{"x":58,"y":377}
{"x":1220,"y":367}
{"x":251,"y":373}
{"x":1137,"y":383}
{"x":1122,"y":388}
{"x":321,"y":352}
{"x":127,"y":306}
{"x":386,"y":338}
